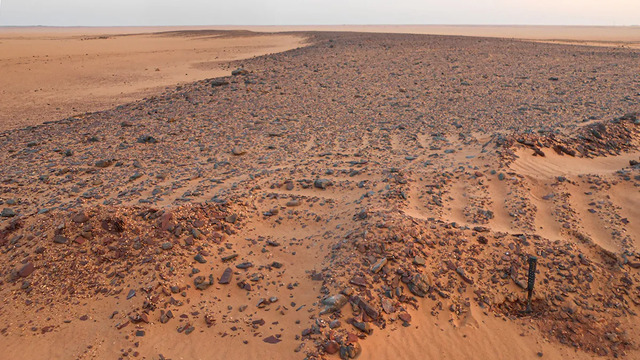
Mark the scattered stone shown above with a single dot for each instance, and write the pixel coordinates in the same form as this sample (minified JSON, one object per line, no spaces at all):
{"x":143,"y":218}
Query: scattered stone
{"x":237,"y":151}
{"x":26,"y":270}
{"x":8,"y":212}
{"x":419,"y":285}
{"x":199,"y":258}
{"x":379,"y":265}
{"x":271,"y":340}
{"x":333,"y":303}
{"x":322,"y":183}
{"x":226,"y":276}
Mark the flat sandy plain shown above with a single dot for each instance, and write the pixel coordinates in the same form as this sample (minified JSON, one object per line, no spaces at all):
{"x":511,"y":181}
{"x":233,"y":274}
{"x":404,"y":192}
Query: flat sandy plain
{"x":344,"y":194}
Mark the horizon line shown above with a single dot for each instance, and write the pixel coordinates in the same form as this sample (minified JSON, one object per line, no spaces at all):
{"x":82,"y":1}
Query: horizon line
{"x":283,"y":25}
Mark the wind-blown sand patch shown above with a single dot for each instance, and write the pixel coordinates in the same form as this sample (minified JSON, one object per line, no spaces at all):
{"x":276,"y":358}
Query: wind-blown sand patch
{"x":552,"y":164}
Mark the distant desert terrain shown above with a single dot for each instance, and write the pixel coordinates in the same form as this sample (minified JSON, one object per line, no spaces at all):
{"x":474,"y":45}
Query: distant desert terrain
{"x":49,"y":75}
{"x":52,"y":73}
{"x":320,"y":193}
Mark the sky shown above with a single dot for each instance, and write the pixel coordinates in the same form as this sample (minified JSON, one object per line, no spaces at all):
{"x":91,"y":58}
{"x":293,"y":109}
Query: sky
{"x":317,"y":12}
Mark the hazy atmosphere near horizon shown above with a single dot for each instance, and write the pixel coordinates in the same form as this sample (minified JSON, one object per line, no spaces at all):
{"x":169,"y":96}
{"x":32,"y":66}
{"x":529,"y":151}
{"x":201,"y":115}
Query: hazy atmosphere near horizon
{"x":316,"y":12}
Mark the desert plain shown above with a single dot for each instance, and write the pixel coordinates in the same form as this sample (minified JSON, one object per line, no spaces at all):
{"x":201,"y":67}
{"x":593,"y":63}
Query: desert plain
{"x":319,"y":193}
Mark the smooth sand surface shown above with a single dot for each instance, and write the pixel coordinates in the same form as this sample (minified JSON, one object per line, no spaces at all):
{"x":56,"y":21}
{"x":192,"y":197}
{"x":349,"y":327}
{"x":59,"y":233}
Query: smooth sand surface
{"x":51,"y":75}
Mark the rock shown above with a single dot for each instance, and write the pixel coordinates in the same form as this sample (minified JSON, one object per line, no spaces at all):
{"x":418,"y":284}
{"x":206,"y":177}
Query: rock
{"x":292,"y":203}
{"x":244,"y":265}
{"x":80,"y":218}
{"x":8,"y":212}
{"x":59,"y":239}
{"x":26,"y":270}
{"x":331,"y":347}
{"x":464,"y":276}
{"x":333,"y":303}
{"x":387,"y":306}
{"x":237,"y":151}
{"x":364,"y":327}
{"x":419,"y":261}
{"x":271,"y":340}
{"x":131,"y":294}
{"x":147,"y":139}
{"x":358,"y":280}
{"x":201,"y":283}
{"x":419,"y":285}
{"x":366,"y":307}
{"x":165,"y":221}
{"x":219,"y":82}
{"x":229,"y":257}
{"x":199,"y":258}
{"x":165,"y":316}
{"x":405,"y":317}
{"x":209,"y":320}
{"x":104,"y":163}
{"x":322,"y":183}
{"x":226,"y":276}
{"x":379,"y":265}
{"x":350,"y":351}
{"x":239,"y":71}
{"x":166,"y":245}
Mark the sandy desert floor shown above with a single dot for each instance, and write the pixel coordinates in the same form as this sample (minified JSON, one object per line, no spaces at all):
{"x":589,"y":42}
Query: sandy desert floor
{"x":365,"y":195}
{"x":50,"y":75}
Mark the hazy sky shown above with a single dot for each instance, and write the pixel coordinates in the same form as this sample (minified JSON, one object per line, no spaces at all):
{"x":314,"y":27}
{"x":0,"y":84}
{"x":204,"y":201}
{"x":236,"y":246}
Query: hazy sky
{"x":330,"y":12}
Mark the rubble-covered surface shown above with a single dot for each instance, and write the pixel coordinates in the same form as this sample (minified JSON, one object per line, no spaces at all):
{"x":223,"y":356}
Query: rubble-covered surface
{"x":322,"y":195}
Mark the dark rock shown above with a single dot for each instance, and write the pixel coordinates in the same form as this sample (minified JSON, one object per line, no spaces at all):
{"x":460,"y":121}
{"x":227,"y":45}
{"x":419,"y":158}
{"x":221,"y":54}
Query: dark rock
{"x":379,"y":265}
{"x":219,"y":82}
{"x":333,"y":303}
{"x":271,"y":340}
{"x":226,"y":276}
{"x":104,"y":163}
{"x":131,"y":294}
{"x":8,"y":212}
{"x":147,"y":139}
{"x":419,"y":285}
{"x":239,"y":71}
{"x":322,"y":183}
{"x":80,"y":218}
{"x":364,"y":327}
{"x":350,"y":351}
{"x":59,"y":239}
